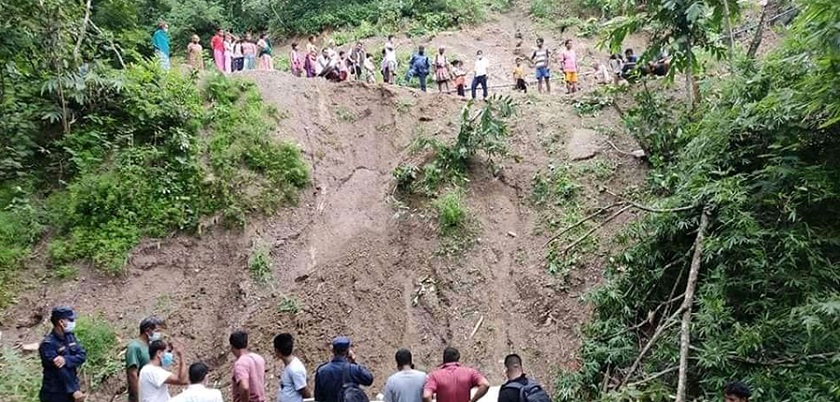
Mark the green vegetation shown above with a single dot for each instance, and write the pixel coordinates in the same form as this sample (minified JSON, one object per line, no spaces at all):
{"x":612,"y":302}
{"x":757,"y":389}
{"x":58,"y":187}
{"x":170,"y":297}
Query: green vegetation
{"x":100,"y":341}
{"x":21,"y":379}
{"x":259,"y":264}
{"x":452,"y":212}
{"x":101,"y":148}
{"x":288,"y":305}
{"x":759,"y":152}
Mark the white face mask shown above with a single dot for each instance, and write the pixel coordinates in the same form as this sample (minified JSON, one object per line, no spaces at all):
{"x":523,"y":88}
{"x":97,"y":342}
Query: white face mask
{"x":69,"y":326}
{"x":155,"y":336}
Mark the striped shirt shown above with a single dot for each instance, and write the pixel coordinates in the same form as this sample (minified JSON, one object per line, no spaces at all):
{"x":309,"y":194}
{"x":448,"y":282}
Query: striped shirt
{"x":453,"y":382}
{"x":540,"y":57}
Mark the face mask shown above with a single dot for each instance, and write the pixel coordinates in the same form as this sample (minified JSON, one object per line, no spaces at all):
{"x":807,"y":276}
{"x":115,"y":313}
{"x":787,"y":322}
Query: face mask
{"x":167,"y":359}
{"x":69,"y":326}
{"x":155,"y":336}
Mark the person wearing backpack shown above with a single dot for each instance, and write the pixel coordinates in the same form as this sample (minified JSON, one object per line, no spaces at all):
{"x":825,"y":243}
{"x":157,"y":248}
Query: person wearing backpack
{"x":520,"y":388}
{"x":339,"y":380}
{"x":418,"y":67}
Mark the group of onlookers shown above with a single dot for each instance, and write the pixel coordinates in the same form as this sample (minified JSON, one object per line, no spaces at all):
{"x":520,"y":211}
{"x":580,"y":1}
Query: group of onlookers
{"x":152,"y":363}
{"x":233,"y":53}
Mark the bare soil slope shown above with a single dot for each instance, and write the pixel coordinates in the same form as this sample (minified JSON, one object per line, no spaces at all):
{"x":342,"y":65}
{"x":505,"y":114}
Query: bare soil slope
{"x":353,"y":264}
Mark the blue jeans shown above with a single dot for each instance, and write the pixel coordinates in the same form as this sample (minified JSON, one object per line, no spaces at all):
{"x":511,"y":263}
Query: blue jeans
{"x":479,"y":80}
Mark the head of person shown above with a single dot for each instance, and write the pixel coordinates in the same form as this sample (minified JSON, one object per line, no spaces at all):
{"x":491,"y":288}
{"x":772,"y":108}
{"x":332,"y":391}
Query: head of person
{"x":220,"y":32}
{"x":63,"y":318}
{"x":451,"y":355}
{"x":195,"y":39}
{"x":159,"y":353}
{"x":568,"y":44}
{"x":390,"y":37}
{"x":262,"y":36}
{"x":540,"y":42}
{"x":294,"y":46}
{"x":163,"y":25}
{"x":284,"y":345}
{"x":325,"y":52}
{"x":518,"y":62}
{"x":358,"y":45}
{"x":628,"y":52}
{"x":198,"y":373}
{"x":341,"y":53}
{"x":383,"y":52}
{"x":513,"y":366}
{"x":441,"y":50}
{"x":248,"y":36}
{"x":341,"y":346}
{"x":311,"y":38}
{"x":479,"y":54}
{"x":238,"y":342}
{"x":421,"y":49}
{"x":736,"y":391}
{"x":151,"y":327}
{"x":403,"y":358}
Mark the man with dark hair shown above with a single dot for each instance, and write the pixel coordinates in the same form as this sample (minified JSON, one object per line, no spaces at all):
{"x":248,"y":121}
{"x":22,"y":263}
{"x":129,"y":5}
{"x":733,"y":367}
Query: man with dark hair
{"x":137,"y":352}
{"x":736,"y":391}
{"x":406,"y":385}
{"x":154,"y":381}
{"x":293,"y":387}
{"x":518,"y":387}
{"x":418,"y":66}
{"x":248,"y":370}
{"x":343,"y":369}
{"x":198,"y":391}
{"x":61,"y":355}
{"x":452,"y":382}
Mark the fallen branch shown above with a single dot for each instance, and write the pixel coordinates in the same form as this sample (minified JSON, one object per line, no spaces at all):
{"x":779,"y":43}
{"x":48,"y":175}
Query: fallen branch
{"x":650,"y":209}
{"x":659,"y":330}
{"x":690,"y":287}
{"x":784,"y":360}
{"x":633,"y":154}
{"x":477,"y":326}
{"x":653,"y":376}
{"x":600,"y":225}
{"x":581,"y":222}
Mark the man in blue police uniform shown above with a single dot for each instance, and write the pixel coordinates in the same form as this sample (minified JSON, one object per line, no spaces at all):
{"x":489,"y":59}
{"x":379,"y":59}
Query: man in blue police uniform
{"x":61,"y":356}
{"x":330,"y":376}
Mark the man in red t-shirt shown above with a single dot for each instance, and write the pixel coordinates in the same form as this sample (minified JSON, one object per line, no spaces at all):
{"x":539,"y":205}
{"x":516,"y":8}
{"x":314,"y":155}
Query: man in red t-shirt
{"x":452,"y":382}
{"x":218,"y":46}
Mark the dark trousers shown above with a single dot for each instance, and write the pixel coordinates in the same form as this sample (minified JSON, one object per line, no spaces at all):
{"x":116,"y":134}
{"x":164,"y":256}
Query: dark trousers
{"x":422,"y":77}
{"x":462,"y":90}
{"x":55,"y":397}
{"x":237,"y":64}
{"x":479,"y":80}
{"x":520,"y":85}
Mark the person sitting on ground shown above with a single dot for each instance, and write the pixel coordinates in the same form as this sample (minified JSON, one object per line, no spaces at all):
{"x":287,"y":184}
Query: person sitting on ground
{"x":248,"y":370}
{"x":600,"y":73}
{"x":197,"y":391}
{"x":518,"y":385}
{"x":662,"y":64}
{"x":519,"y":77}
{"x":418,"y":67}
{"x":629,"y":65}
{"x":293,"y":387}
{"x":155,"y":378}
{"x":342,"y":371}
{"x":615,"y":67}
{"x":326,"y":66}
{"x":370,"y":69}
{"x":452,"y":382}
{"x":137,"y":353}
{"x":406,"y":385}
{"x":736,"y":391}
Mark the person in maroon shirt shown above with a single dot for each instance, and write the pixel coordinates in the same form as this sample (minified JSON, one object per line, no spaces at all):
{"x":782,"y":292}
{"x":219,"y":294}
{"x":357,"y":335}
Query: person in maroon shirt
{"x":452,"y":382}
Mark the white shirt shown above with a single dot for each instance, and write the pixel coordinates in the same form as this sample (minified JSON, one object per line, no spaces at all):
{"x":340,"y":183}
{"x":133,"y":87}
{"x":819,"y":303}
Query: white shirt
{"x":198,"y":393}
{"x":481,"y":66}
{"x":151,"y":384}
{"x":292,"y":379}
{"x":390,"y":53}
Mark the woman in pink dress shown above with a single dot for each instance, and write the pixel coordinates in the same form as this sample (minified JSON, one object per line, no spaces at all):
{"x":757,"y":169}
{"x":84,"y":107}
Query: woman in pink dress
{"x":296,"y":61}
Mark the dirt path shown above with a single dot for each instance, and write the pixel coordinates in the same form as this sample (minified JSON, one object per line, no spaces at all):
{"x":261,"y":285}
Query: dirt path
{"x":351,"y":264}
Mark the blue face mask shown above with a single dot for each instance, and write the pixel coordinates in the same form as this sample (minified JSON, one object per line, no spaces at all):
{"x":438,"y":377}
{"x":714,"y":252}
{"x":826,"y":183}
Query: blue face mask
{"x":167,"y":360}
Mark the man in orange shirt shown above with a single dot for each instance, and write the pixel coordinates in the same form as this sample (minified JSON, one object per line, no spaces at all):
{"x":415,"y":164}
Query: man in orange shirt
{"x":452,"y":382}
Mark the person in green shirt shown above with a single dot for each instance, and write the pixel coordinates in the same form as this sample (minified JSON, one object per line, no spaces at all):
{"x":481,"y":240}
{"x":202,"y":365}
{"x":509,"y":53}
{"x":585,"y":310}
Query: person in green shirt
{"x":137,"y":353}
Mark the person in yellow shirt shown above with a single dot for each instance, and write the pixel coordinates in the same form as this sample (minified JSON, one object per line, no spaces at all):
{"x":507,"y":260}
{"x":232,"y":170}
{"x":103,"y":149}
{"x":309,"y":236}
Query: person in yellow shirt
{"x":519,"y":77}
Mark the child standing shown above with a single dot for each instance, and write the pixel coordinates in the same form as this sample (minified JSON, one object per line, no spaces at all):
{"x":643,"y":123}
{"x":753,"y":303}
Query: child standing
{"x":460,"y":78}
{"x":570,"y":68}
{"x":194,"y":54}
{"x":249,"y":52}
{"x":519,"y":77}
{"x":370,"y":76}
{"x":296,"y":61}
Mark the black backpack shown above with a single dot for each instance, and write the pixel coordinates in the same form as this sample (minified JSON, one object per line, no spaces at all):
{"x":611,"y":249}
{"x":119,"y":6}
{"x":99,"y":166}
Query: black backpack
{"x":350,"y":391}
{"x":529,"y":392}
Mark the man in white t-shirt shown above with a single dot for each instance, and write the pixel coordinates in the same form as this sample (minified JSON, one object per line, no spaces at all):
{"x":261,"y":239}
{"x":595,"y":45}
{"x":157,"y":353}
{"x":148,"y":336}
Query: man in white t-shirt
{"x":480,"y":77}
{"x":197,"y":391}
{"x":390,"y":60}
{"x":154,"y":379}
{"x":293,"y":387}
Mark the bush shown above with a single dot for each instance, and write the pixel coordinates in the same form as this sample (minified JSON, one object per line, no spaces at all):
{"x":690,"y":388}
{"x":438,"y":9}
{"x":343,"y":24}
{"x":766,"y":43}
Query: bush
{"x":21,"y":379}
{"x":101,"y":344}
{"x":452,"y":212}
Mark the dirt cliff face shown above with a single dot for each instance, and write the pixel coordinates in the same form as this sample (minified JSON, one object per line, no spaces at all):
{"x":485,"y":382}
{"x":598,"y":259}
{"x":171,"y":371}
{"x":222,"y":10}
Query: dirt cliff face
{"x":352,"y":263}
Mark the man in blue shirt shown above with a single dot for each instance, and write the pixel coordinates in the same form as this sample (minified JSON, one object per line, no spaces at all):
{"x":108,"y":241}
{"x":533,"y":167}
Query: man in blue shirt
{"x":61,"y":355}
{"x":330,"y":377}
{"x":160,"y":41}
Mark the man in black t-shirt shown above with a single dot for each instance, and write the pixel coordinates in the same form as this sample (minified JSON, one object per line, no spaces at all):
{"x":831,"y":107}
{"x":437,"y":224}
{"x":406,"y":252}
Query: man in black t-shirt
{"x":513,"y":370}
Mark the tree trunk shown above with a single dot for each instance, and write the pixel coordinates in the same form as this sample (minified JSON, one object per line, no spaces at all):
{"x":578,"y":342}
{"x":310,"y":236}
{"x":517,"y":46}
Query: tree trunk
{"x":759,"y":32}
{"x":690,"y":287}
{"x":728,"y":25}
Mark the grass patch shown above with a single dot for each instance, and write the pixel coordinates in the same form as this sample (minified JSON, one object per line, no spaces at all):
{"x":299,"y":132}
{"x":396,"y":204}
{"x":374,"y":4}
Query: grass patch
{"x":452,"y":212}
{"x":288,"y":305}
{"x":20,"y":376}
{"x":602,"y":169}
{"x":259,"y":264}
{"x":554,"y":188}
{"x":346,"y":115}
{"x":97,"y":336}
